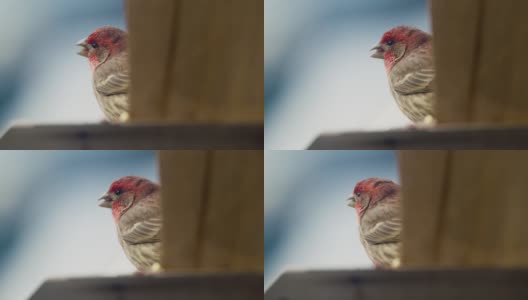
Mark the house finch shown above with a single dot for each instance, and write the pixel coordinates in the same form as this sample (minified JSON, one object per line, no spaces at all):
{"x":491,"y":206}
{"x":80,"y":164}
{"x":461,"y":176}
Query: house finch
{"x":106,"y":49}
{"x":377,"y":203}
{"x":408,"y":56}
{"x":135,"y":204}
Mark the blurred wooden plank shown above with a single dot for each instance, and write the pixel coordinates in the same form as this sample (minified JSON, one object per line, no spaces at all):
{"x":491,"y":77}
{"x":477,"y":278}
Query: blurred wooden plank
{"x":479,"y":56}
{"x":456,"y":36}
{"x":183,"y":174}
{"x":135,"y":136}
{"x":197,"y":60}
{"x":431,"y":284}
{"x":234,"y":228}
{"x":442,"y":137}
{"x":213,"y":210}
{"x":150,"y":27}
{"x":420,"y":230}
{"x":218,"y":67}
{"x":493,"y":70}
{"x":519,"y":92}
{"x":464,"y":208}
{"x":218,"y":286}
{"x":482,"y":224}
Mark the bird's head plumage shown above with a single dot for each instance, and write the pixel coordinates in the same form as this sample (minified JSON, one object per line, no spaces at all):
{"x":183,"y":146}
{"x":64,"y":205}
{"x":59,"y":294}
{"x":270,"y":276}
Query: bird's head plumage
{"x":103,"y":43}
{"x":368,"y":192}
{"x":398,"y":41}
{"x":125,"y":192}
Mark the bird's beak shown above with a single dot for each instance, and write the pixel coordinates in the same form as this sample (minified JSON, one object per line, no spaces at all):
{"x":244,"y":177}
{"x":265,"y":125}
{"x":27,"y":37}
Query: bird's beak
{"x":351,"y":201}
{"x":378,"y":51}
{"x":84,"y":48}
{"x":105,"y":201}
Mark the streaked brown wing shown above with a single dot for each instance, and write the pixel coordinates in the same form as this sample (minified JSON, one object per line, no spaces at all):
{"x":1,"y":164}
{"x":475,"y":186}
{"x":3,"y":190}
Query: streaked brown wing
{"x":416,"y":82}
{"x":146,"y":231}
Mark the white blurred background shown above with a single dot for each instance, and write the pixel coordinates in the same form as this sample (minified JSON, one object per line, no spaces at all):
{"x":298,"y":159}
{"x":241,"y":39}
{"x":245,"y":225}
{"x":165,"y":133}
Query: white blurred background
{"x":42,"y":79}
{"x":308,"y":224}
{"x":50,"y":223}
{"x":318,"y":73}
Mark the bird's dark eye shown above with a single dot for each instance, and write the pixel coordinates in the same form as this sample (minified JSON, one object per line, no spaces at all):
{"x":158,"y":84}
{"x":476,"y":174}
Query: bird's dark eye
{"x":390,"y":42}
{"x":94,"y":45}
{"x":358,"y":194}
{"x":118,"y":191}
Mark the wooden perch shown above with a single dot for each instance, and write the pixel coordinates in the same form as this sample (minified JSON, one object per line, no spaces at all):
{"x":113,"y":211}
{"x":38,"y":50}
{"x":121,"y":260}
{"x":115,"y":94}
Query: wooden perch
{"x":433,"y":284}
{"x":135,"y":136}
{"x":464,"y":208}
{"x":219,"y":286}
{"x":480,"y":60}
{"x":441,"y":137}
{"x":197,"y":60}
{"x":213,"y":203}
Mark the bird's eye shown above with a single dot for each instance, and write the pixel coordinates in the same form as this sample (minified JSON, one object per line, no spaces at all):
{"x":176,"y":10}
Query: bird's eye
{"x":358,"y":194}
{"x":390,"y":42}
{"x":118,"y":191}
{"x":94,"y":45}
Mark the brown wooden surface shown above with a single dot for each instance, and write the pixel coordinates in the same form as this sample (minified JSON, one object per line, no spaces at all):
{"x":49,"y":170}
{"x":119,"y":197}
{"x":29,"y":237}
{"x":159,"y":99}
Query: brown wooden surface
{"x":420,"y":242}
{"x":443,"y":137}
{"x":465,"y":208}
{"x":213,"y":210}
{"x":182,"y":177}
{"x":455,"y":47}
{"x":418,"y":284}
{"x":203,"y":286}
{"x":197,"y":60}
{"x":233,"y":235}
{"x":135,"y":136}
{"x":150,"y":33}
{"x":480,"y":60}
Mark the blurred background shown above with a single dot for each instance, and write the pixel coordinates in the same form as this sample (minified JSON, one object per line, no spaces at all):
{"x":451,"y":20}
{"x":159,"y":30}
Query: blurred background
{"x":319,"y":76}
{"x":42,"y":79}
{"x":50,"y":223}
{"x":308,"y":224}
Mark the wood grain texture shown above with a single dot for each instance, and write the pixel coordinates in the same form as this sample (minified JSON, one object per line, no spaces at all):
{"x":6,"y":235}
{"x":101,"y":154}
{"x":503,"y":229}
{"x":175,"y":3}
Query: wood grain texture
{"x":464,"y":208}
{"x":234,"y":223}
{"x":213,"y":210}
{"x":204,"y":61}
{"x":423,"y":176}
{"x":456,"y":37}
{"x":517,"y":105}
{"x":483,"y":225}
{"x":150,"y":32}
{"x":480,"y":61}
{"x":183,"y":175}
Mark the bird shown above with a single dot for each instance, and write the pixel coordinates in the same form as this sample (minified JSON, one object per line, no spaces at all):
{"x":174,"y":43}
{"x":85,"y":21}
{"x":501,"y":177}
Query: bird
{"x":136,"y":210}
{"x":408,"y":56}
{"x":107,"y":53}
{"x":377,"y":204}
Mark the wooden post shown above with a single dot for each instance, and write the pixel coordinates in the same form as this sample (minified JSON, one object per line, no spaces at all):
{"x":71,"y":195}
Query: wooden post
{"x":214,"y":204}
{"x":196,"y":60}
{"x":464,"y":208}
{"x":480,"y":60}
